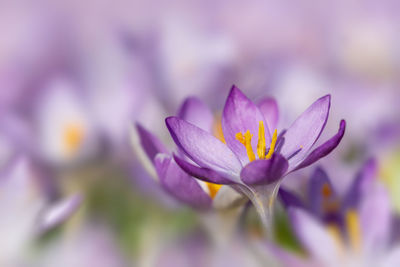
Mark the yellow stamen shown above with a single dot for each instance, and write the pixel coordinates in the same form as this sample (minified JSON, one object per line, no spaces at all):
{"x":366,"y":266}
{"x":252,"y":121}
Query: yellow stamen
{"x":261,"y":145}
{"x":72,"y":137}
{"x":213,"y":188}
{"x":273,"y":143}
{"x":240,"y":138}
{"x":353,"y":229}
{"x":246,"y":141}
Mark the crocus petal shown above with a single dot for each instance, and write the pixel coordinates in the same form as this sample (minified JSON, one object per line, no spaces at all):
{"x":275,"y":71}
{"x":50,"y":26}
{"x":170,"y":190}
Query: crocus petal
{"x":289,"y":199}
{"x":193,"y":110}
{"x":323,"y":150}
{"x":241,"y":114}
{"x":269,"y":108}
{"x":264,"y":171}
{"x":203,"y":148}
{"x":203,"y":174}
{"x":59,"y":212}
{"x":305,"y":131}
{"x":179,"y":184}
{"x":314,"y":237}
{"x":375,"y":219}
{"x":150,"y":143}
{"x":361,"y":184}
{"x":320,"y":187}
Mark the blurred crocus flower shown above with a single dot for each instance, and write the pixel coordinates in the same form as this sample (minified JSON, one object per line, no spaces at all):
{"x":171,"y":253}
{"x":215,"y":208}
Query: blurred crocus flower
{"x":257,"y":174}
{"x":363,"y":239}
{"x":173,"y":179}
{"x":323,"y":200}
{"x":26,"y":211}
{"x":64,"y":126}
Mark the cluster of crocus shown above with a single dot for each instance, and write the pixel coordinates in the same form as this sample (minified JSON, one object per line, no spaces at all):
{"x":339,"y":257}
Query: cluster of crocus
{"x":244,"y":156}
{"x":252,"y":166}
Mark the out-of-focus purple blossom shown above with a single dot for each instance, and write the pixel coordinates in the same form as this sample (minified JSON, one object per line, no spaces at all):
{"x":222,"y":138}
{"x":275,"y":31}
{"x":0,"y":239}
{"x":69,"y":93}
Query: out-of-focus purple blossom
{"x":236,"y":164}
{"x":68,"y":124}
{"x":58,"y":212}
{"x":64,"y":128}
{"x":324,"y":202}
{"x":26,"y":210}
{"x":361,"y":238}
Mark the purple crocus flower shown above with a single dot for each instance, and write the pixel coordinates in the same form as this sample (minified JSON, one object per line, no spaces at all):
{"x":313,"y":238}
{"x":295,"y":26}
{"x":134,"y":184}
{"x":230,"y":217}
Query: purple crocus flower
{"x":362,"y":240}
{"x":253,"y":167}
{"x":172,"y":178}
{"x":324,"y":202}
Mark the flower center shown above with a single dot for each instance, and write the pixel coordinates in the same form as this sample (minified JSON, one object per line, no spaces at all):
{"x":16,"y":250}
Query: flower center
{"x":72,"y":137}
{"x":261,"y":145}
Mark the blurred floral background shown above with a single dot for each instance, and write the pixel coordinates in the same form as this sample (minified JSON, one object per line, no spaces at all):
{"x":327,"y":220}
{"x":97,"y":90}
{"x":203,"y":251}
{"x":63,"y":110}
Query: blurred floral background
{"x":78,"y":77}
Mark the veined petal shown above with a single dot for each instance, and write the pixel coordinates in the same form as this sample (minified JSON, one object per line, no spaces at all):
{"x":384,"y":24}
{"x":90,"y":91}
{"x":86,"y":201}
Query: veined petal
{"x":305,"y":131}
{"x":179,"y":184}
{"x":269,"y":108}
{"x":193,"y":110}
{"x":203,"y":148}
{"x":150,"y":143}
{"x":264,"y":171}
{"x":323,"y":150}
{"x":239,"y":115}
{"x":204,"y":174}
{"x":314,"y":237}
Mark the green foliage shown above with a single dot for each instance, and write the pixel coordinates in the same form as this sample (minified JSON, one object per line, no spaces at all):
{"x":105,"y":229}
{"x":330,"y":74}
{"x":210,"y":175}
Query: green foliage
{"x":284,"y":233}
